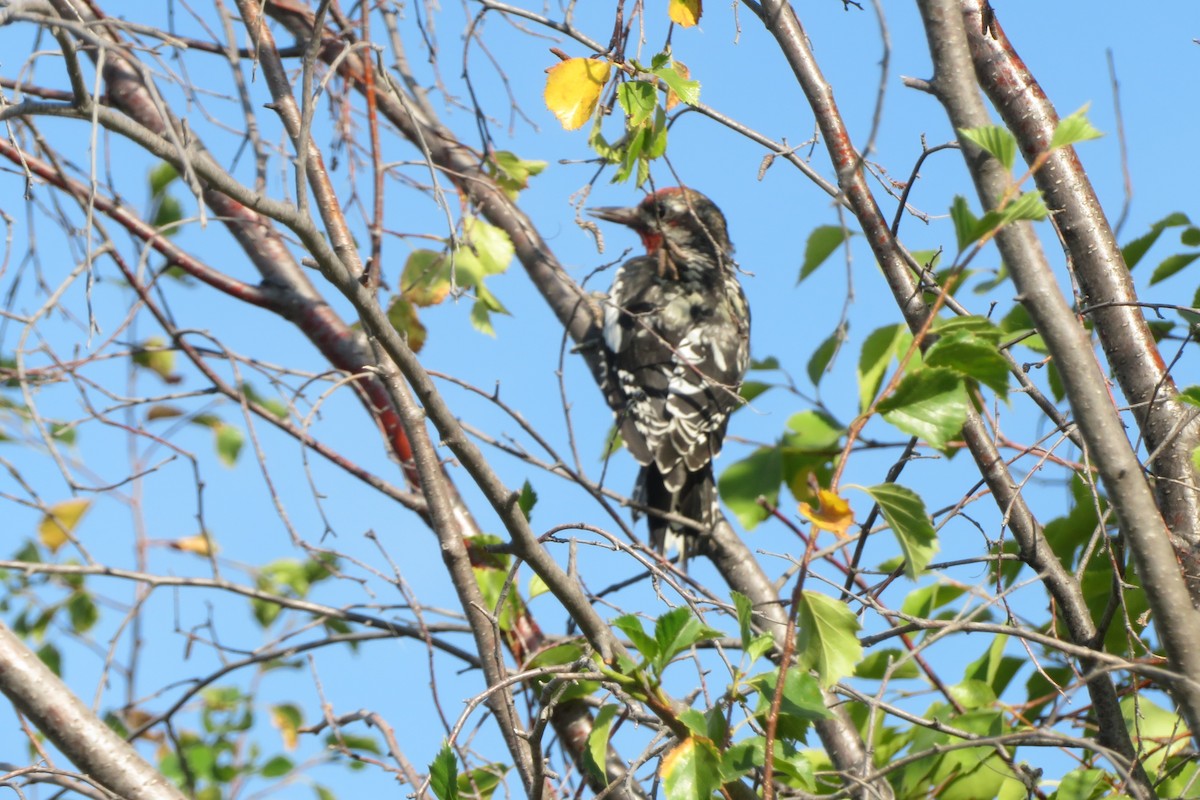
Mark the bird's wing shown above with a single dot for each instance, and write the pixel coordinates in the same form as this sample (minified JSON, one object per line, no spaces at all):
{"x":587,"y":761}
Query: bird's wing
{"x":677,"y":354}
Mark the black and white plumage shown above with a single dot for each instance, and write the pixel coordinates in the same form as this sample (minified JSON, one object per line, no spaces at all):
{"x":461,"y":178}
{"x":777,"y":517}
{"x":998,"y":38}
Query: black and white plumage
{"x":677,"y":344}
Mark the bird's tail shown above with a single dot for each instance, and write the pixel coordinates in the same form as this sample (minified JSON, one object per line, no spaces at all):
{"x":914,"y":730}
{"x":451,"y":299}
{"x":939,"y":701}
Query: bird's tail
{"x":696,"y":499}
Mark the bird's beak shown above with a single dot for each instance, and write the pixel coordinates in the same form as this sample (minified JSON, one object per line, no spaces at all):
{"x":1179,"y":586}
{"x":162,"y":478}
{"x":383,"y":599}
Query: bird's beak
{"x":622,"y":216}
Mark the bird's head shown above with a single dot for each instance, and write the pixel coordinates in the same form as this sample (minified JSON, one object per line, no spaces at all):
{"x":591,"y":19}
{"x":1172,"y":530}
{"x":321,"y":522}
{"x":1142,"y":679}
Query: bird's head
{"x":680,"y":221}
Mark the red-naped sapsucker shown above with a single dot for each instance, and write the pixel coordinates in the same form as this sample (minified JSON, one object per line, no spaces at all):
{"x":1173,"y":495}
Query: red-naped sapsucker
{"x":676,"y":346}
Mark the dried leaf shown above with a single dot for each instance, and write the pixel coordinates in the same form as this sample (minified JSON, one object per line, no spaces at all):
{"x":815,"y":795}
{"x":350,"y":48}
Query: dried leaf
{"x":198,"y":543}
{"x":672,"y":98}
{"x":832,"y":514}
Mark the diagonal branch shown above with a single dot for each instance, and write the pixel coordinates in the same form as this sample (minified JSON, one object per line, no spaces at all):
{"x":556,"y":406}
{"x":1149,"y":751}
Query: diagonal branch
{"x":1094,"y":254}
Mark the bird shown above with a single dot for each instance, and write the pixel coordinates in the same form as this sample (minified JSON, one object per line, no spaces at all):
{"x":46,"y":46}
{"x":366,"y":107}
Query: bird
{"x":676,"y":345}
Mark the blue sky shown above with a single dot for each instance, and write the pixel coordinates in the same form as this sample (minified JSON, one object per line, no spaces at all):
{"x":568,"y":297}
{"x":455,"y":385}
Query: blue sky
{"x":1064,"y":44}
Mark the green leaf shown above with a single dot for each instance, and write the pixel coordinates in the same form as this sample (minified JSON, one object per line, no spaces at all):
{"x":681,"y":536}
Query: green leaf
{"x":796,"y":769}
{"x":512,"y":173}
{"x":687,"y":90}
{"x":759,"y":646}
{"x":1000,"y":278}
{"x":821,"y":243}
{"x":598,"y":143}
{"x":492,"y":574}
{"x":875,"y":665}
{"x":162,"y":176}
{"x":924,"y":601}
{"x":1170,"y":265}
{"x":801,"y":705}
{"x":826,"y":637}
{"x":676,"y":631}
{"x":1072,"y":129}
{"x":638,"y":99}
{"x":968,"y":229}
{"x":48,"y":654}
{"x":1191,"y":395}
{"x":277,"y":767}
{"x":490,"y":244}
{"x":595,"y":755}
{"x":966,"y":224}
{"x":745,"y":616}
{"x":996,"y":140}
{"x":906,"y":516}
{"x":265,"y":612}
{"x":229,"y":441}
{"x":277,"y":408}
{"x":877,"y":352}
{"x":695,"y":721}
{"x":1028,"y":206}
{"x":993,"y":667}
{"x":425,"y":280}
{"x":366,"y":744}
{"x":973,"y":694}
{"x":975,"y":325}
{"x":66,"y":434}
{"x":169,"y":212}
{"x":320,"y":568}
{"x":443,"y":774}
{"x":1134,"y":251}
{"x":929,"y":259}
{"x":82,"y":611}
{"x":743,"y":482}
{"x":657,"y":144}
{"x":1155,"y":727}
{"x":402,"y":314}
{"x":814,"y":432}
{"x":691,"y":770}
{"x":1079,"y":784}
{"x":930,"y":403}
{"x":1018,"y":323}
{"x":971,"y":356}
{"x":537,"y":586}
{"x":631,"y":626}
{"x":556,"y":655}
{"x":481,"y":318}
{"x":153,"y":356}
{"x":481,"y":783}
{"x":751,"y":390}
{"x":28,"y":553}
{"x":527,"y":499}
{"x":742,"y":758}
{"x":819,"y":361}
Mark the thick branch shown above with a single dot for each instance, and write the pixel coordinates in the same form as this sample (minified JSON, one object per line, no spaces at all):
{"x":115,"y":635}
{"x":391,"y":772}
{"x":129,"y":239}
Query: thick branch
{"x":1103,"y":432}
{"x":954,"y":86}
{"x":92,"y":746}
{"x":1104,"y":281}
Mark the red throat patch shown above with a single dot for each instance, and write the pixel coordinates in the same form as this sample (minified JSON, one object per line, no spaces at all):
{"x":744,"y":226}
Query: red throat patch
{"x":651,"y":239}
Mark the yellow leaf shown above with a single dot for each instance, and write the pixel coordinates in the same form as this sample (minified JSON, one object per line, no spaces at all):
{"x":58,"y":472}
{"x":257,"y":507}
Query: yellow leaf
{"x":672,"y":98}
{"x":832,"y":514}
{"x":55,"y":528}
{"x":288,"y":719}
{"x":199,"y":544}
{"x":685,"y":13}
{"x":573,"y":89}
